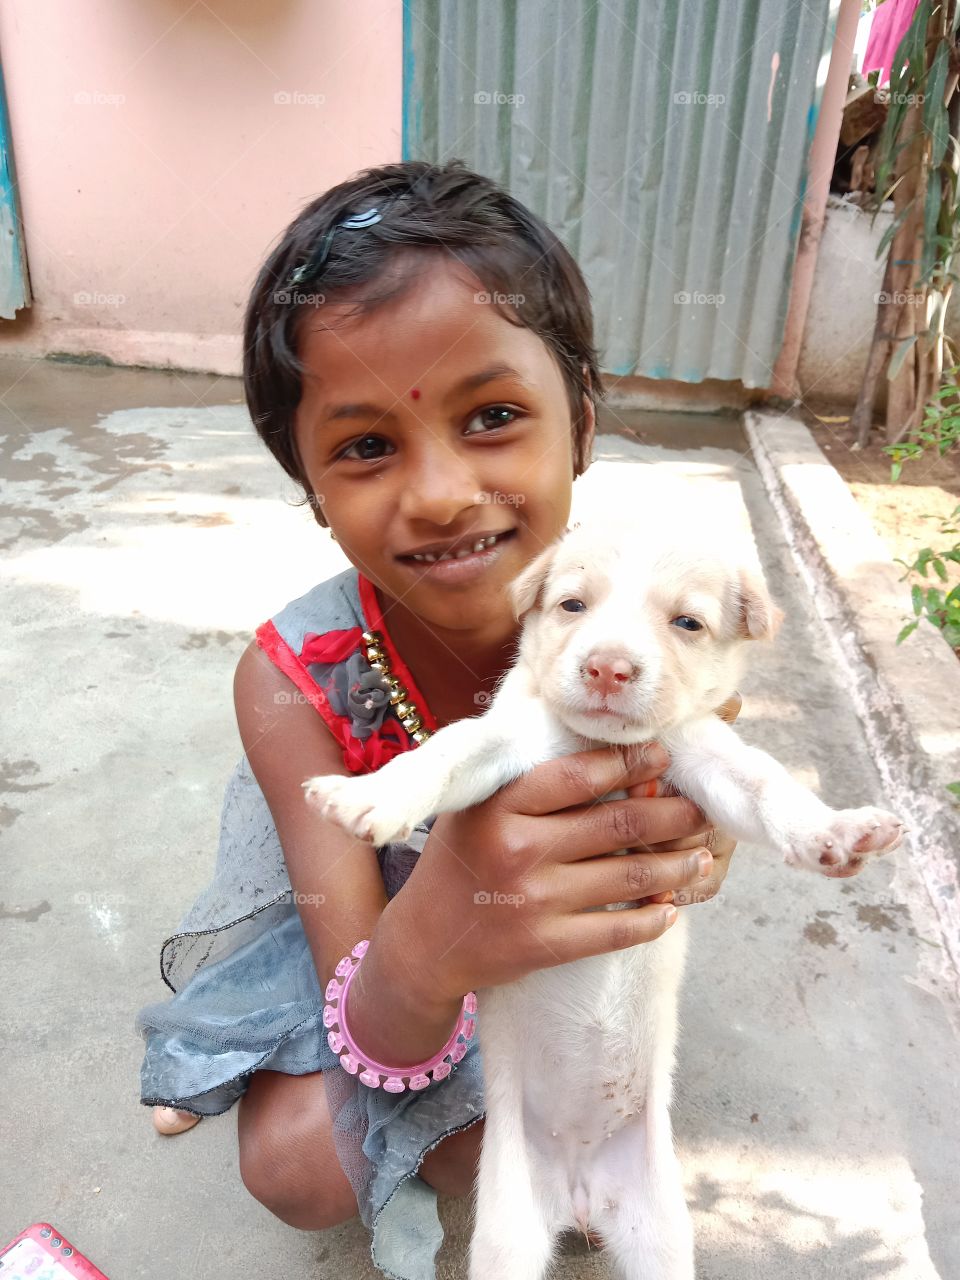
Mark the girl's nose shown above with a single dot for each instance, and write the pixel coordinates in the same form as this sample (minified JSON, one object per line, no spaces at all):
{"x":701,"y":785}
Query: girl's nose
{"x":439,"y":486}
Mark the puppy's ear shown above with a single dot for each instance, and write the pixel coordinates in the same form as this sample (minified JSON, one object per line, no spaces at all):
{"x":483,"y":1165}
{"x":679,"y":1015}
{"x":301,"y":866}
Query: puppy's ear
{"x":758,"y":617}
{"x":525,"y":590}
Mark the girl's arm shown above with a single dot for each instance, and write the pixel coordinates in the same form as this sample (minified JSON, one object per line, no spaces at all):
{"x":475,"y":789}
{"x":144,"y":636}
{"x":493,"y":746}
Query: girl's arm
{"x":336,"y":878}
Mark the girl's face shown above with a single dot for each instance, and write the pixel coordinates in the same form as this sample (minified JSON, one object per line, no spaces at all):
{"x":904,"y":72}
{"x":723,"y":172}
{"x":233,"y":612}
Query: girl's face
{"x":434,"y":424}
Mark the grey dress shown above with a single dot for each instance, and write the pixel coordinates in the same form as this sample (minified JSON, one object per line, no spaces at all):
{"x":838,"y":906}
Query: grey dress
{"x":246,"y":991}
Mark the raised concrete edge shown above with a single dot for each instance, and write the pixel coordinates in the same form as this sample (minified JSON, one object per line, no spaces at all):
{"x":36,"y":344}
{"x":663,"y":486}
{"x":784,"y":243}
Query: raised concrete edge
{"x":906,"y":696}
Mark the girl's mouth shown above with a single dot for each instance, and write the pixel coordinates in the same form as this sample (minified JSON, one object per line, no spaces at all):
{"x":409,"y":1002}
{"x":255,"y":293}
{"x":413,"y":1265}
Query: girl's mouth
{"x":461,"y":566}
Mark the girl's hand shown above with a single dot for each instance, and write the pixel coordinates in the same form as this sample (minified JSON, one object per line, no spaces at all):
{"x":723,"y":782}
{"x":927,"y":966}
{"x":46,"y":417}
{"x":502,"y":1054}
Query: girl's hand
{"x":501,"y":889}
{"x":720,"y":846}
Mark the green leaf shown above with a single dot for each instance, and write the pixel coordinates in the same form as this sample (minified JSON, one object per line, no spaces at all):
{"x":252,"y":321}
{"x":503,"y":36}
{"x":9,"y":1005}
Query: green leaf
{"x":931,"y":216}
{"x":916,"y":595}
{"x":954,"y":787}
{"x":933,"y":90}
{"x":907,"y":631}
{"x":940,"y":569}
{"x":887,"y":238}
{"x":899,"y":355}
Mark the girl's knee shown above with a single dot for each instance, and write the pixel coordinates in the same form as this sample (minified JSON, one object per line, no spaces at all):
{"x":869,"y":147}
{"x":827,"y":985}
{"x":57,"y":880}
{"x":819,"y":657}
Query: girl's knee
{"x":288,"y":1164}
{"x":272,"y":1172}
{"x":451,"y":1167}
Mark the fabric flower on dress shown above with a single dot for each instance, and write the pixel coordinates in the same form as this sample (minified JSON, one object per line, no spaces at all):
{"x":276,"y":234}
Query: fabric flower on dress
{"x":358,"y":692}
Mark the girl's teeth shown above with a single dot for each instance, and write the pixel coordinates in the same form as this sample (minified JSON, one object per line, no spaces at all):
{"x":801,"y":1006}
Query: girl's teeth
{"x":479,"y":545}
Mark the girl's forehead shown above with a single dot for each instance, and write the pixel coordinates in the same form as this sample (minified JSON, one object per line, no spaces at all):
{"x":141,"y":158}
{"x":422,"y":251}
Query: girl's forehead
{"x":441,"y":324}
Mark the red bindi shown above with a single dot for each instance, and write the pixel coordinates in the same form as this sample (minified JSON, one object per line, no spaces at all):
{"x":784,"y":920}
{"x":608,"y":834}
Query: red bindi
{"x":415,"y":393}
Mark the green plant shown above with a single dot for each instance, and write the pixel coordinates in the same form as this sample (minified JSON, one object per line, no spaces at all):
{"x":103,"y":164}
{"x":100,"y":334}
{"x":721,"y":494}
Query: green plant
{"x":918,"y":161}
{"x":940,"y":428}
{"x":931,"y":604}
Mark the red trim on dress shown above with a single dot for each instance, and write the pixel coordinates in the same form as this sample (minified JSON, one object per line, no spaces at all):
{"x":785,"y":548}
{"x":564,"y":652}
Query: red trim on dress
{"x":279,"y":652}
{"x":391,"y":739}
{"x":374,"y":619}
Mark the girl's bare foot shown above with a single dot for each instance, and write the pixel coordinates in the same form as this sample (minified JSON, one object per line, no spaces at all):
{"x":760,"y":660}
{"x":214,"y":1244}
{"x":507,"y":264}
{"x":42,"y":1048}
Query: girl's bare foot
{"x":168,"y":1120}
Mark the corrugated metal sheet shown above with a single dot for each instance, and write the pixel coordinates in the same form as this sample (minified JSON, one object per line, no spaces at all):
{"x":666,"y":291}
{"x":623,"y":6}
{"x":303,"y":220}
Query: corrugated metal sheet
{"x":664,"y":141}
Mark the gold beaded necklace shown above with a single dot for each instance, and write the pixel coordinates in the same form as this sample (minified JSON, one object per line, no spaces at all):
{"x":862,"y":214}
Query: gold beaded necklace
{"x":399,"y":699}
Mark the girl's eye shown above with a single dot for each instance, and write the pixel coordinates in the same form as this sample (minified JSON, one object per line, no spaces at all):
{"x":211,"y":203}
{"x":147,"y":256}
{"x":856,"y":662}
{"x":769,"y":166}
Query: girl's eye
{"x":572,"y":606}
{"x":687,"y":623}
{"x":366,"y":447}
{"x":497,"y":421}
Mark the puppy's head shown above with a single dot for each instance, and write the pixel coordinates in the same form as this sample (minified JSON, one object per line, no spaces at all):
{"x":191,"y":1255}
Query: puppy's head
{"x":631,"y":627}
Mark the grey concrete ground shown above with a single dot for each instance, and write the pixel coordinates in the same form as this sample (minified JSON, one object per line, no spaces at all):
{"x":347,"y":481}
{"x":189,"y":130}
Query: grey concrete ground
{"x":146,"y":534}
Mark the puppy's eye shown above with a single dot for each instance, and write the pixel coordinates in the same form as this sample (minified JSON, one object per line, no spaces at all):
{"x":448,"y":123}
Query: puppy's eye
{"x":686,"y":623}
{"x":572,"y":606}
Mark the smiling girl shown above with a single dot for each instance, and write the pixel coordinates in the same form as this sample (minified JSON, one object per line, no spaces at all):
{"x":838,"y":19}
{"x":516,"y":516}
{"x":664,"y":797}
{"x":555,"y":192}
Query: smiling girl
{"x":419,"y":358}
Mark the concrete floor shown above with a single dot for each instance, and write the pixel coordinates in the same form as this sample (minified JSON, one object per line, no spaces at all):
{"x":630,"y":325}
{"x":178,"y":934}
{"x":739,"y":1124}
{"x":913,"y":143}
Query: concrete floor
{"x":146,"y":533}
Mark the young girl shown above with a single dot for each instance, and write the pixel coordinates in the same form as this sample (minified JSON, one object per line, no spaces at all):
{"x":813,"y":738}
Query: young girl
{"x":419,"y":357}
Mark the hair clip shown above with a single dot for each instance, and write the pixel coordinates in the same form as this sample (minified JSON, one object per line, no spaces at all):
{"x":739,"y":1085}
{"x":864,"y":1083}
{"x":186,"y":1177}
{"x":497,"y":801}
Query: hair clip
{"x":317,"y":261}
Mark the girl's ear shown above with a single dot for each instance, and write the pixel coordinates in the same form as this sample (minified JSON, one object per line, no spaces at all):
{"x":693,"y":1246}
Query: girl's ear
{"x":525,"y":590}
{"x":588,"y":431}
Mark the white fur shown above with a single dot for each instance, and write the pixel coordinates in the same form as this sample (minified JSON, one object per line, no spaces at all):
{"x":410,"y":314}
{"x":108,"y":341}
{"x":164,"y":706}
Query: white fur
{"x":578,"y":1057}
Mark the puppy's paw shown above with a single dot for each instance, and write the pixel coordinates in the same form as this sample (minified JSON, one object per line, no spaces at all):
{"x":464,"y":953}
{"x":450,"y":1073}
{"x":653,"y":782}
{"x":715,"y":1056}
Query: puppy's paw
{"x":361,"y":806}
{"x":840,"y":847}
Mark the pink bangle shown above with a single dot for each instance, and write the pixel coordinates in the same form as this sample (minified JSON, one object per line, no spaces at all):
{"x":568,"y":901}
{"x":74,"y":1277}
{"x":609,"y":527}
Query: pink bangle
{"x":339,"y":1037}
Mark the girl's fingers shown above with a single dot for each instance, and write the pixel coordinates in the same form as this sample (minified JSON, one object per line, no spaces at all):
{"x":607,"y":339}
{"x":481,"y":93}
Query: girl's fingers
{"x":584,"y":777}
{"x":612,"y":825}
{"x":633,"y":876}
{"x":594,"y":933}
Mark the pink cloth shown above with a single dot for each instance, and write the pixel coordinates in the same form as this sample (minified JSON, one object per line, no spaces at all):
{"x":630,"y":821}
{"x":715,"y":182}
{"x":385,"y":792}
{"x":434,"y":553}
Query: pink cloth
{"x":888,"y":28}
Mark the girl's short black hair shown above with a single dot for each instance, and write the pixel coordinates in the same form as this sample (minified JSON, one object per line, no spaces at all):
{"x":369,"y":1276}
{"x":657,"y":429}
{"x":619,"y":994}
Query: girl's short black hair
{"x":513,"y":253}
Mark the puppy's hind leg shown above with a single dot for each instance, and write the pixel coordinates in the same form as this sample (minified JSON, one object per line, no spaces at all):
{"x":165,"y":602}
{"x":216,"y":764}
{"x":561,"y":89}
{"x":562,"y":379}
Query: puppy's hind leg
{"x":511,"y":1238}
{"x":646,"y":1225}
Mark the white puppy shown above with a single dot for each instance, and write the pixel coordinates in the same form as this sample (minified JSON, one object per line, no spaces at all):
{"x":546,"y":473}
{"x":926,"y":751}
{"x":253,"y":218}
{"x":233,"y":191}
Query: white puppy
{"x":631,"y":634}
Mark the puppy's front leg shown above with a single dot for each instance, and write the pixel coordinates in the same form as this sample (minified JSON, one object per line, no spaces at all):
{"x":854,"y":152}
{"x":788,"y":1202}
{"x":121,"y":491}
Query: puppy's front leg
{"x":747,"y":794}
{"x":459,"y":766}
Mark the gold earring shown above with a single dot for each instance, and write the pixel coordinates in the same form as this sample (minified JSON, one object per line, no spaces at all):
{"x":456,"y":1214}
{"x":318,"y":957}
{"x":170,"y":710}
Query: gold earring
{"x":333,"y":535}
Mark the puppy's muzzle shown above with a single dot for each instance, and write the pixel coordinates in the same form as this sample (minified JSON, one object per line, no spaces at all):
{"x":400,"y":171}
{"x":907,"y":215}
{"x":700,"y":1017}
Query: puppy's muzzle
{"x":607,"y":672}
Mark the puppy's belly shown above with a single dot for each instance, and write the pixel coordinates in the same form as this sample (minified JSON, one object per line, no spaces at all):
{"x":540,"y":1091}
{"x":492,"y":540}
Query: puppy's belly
{"x":586,"y":1046}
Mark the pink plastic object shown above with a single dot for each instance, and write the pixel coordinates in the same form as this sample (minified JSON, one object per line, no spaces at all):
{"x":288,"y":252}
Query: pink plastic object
{"x":339,"y":1037}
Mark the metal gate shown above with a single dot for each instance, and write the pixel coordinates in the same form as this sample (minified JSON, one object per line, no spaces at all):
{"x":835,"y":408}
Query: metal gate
{"x":664,"y":141}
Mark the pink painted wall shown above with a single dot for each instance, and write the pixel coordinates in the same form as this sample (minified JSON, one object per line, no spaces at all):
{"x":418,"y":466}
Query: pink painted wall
{"x":162,"y":145}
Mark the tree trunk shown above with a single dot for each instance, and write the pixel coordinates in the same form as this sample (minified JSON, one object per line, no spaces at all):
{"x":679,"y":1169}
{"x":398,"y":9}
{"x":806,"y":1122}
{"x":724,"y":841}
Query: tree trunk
{"x":861,"y":420}
{"x":905,"y":255}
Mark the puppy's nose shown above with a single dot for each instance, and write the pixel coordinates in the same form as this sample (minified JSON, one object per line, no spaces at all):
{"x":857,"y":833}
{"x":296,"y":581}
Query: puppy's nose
{"x":605,"y":674}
